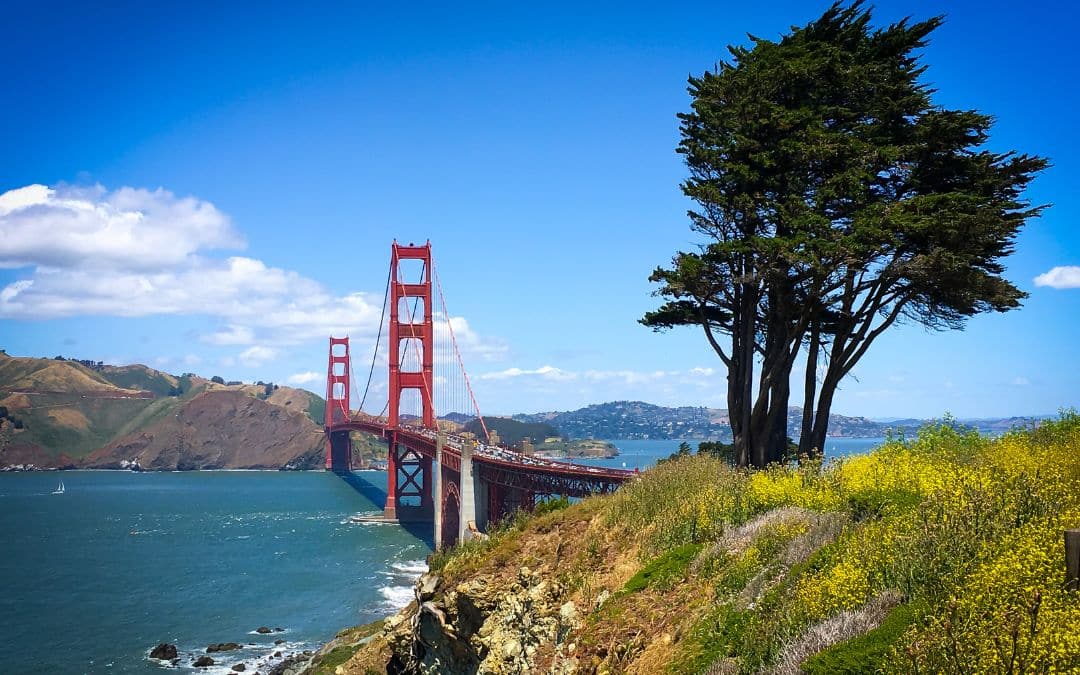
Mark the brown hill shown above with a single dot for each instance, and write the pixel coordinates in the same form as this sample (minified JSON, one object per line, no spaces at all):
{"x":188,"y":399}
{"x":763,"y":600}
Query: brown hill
{"x":71,"y":415}
{"x":220,"y":430}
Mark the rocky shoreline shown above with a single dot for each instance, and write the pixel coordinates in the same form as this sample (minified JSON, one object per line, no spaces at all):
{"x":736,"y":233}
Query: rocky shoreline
{"x":277,"y":658}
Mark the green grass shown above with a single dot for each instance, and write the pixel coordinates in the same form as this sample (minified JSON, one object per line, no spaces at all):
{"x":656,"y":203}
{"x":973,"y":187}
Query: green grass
{"x":866,"y":654}
{"x":663,"y":570}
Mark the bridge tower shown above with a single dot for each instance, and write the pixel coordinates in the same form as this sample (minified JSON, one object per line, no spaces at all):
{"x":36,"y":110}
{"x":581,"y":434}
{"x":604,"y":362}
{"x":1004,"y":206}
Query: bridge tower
{"x":338,"y":444}
{"x":409,"y":484}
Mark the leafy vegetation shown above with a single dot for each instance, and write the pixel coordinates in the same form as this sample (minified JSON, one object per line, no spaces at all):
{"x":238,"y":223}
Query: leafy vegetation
{"x":930,"y":554}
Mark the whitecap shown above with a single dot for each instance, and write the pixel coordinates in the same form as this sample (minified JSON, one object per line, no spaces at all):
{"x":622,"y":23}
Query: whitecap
{"x":416,"y":567}
{"x":396,"y":597}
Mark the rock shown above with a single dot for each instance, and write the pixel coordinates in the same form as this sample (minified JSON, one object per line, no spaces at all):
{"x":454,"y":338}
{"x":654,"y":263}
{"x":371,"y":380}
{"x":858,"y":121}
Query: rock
{"x":425,"y":587}
{"x":239,"y":667}
{"x":222,"y":647}
{"x":175,"y":662}
{"x":203,"y":662}
{"x":277,"y":655}
{"x":263,"y":630}
{"x":279,"y":641}
{"x":164,"y":652}
{"x":279,"y":629}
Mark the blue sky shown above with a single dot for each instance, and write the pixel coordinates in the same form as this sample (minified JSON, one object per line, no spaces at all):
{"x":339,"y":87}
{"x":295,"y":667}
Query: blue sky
{"x":273,"y":155}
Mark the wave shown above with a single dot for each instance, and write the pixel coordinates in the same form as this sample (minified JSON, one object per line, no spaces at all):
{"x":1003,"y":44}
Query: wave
{"x":396,"y":597}
{"x":415,"y":567}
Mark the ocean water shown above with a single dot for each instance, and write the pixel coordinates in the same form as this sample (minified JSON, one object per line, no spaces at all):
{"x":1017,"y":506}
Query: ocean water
{"x":92,"y":579}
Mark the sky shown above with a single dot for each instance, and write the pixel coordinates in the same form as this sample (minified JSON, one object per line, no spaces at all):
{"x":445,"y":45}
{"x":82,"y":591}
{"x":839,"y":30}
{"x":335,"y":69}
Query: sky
{"x":215,"y":189}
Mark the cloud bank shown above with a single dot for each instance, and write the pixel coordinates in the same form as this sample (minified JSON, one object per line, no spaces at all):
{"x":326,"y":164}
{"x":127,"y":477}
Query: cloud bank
{"x":133,"y":252}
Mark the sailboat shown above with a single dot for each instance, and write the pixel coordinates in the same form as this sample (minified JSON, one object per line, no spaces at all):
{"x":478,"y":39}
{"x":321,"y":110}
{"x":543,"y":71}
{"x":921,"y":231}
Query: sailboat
{"x":59,"y":489}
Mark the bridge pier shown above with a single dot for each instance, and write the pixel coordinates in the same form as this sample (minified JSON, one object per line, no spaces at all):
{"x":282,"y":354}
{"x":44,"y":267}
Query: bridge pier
{"x":474,"y":497}
{"x":338,"y":451}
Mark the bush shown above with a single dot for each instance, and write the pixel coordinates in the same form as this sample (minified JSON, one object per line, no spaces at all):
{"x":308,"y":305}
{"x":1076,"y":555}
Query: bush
{"x":217,"y":379}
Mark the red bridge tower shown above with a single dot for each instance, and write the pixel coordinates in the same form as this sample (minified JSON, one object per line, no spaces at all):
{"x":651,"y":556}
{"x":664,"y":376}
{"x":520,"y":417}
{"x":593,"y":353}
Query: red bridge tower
{"x":409,"y":485}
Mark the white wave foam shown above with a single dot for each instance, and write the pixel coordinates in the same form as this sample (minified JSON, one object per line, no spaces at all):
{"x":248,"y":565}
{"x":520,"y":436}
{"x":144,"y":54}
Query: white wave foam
{"x":396,"y":597}
{"x":415,"y":567}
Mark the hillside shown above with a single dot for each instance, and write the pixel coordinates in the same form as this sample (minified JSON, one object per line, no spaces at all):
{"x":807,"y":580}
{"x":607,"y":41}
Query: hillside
{"x":939,"y":555}
{"x":511,"y":431}
{"x":84,"y":414}
{"x":638,"y":420}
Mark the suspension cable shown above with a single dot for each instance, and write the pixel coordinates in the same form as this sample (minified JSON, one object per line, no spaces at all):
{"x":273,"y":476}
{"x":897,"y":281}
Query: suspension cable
{"x":378,"y":339}
{"x":457,"y":352}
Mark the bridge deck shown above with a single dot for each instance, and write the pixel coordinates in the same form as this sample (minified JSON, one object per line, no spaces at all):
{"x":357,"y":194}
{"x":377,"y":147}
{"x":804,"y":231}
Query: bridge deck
{"x":492,"y":456}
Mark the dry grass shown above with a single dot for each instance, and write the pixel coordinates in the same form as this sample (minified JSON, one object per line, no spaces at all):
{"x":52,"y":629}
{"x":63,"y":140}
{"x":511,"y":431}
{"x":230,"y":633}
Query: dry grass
{"x":69,"y":417}
{"x":837,"y":628}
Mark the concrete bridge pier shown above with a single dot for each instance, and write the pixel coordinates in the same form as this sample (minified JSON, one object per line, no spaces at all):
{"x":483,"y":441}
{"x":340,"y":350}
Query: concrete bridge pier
{"x":474,"y":498}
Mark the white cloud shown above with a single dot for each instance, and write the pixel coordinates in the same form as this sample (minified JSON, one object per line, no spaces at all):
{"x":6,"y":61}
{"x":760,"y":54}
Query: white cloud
{"x":134,"y":252}
{"x":257,"y":355}
{"x":1066,"y":276}
{"x":92,"y":228}
{"x":546,"y":372}
{"x":1021,"y":381}
{"x":305,"y":378}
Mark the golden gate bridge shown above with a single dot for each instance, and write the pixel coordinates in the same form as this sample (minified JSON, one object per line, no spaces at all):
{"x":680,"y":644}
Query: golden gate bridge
{"x":462,"y":482}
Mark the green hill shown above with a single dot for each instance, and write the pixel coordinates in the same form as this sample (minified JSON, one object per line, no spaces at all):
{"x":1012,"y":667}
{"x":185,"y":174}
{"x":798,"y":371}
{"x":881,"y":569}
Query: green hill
{"x":513,"y":432}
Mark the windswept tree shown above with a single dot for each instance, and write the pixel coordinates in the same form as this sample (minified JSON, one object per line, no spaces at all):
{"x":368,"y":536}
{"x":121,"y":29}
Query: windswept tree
{"x":835,"y":200}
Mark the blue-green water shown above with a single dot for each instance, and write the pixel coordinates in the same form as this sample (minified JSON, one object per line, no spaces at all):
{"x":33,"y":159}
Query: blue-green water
{"x":92,"y":579}
{"x":641,"y":454}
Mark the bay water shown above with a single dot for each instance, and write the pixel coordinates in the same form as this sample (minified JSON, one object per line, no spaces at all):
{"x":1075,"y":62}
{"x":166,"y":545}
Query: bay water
{"x":92,"y":579}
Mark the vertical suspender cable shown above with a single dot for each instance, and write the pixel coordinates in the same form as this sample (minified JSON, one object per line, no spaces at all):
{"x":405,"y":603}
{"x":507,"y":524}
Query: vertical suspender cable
{"x":457,"y":352}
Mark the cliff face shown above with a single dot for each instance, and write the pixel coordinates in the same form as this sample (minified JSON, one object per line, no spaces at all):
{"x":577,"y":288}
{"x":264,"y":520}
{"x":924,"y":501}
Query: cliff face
{"x":219,"y":430}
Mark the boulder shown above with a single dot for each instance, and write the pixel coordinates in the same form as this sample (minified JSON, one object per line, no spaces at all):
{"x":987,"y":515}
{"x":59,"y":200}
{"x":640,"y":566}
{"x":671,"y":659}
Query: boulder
{"x":164,"y":651}
{"x":279,"y":641}
{"x":263,"y":630}
{"x":239,"y":667}
{"x":222,"y":647}
{"x":203,"y":662}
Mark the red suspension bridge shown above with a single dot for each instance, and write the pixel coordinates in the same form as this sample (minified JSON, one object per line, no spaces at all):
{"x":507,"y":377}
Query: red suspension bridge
{"x":437,"y":471}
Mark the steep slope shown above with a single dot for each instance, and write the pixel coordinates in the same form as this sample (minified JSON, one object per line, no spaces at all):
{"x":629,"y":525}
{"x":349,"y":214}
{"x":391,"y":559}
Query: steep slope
{"x":942,"y":554}
{"x":220,"y":429}
{"x":65,"y":413}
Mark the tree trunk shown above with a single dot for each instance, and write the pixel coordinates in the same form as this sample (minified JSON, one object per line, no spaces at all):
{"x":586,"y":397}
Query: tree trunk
{"x":806,"y":446}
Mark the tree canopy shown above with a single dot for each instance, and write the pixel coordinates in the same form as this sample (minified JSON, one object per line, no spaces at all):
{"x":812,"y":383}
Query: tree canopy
{"x":835,"y":199}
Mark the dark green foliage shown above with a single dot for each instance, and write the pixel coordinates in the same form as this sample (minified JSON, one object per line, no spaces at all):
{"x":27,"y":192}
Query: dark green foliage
{"x":512,"y":432}
{"x":551,"y":505}
{"x":865,"y":654}
{"x":663,"y":570}
{"x":217,"y":379}
{"x":834,"y":198}
{"x":3,"y":412}
{"x":718,"y":449}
